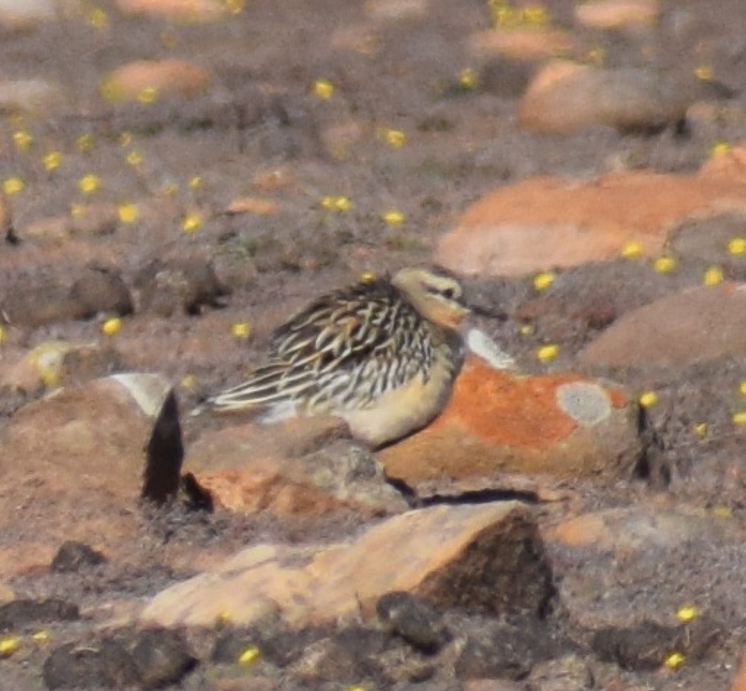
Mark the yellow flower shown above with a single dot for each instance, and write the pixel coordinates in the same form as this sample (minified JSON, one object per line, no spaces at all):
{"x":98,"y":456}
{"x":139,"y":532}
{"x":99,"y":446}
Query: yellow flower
{"x":722,"y":511}
{"x":84,"y":142}
{"x":2,"y":334}
{"x":393,"y":217}
{"x":739,"y":417}
{"x":664,"y":264}
{"x":13,"y":185}
{"x":147,"y":94}
{"x":240,"y":330}
{"x":111,"y":326}
{"x":719,"y":148}
{"x":22,"y":139}
{"x":97,"y":18}
{"x":699,"y":428}
{"x":191,"y":222}
{"x":393,"y":137}
{"x":703,"y":72}
{"x":337,"y":202}
{"x":367,"y":276}
{"x":52,"y":160}
{"x":535,"y":15}
{"x":631,"y":249}
{"x":234,"y":6}
{"x":134,"y":158}
{"x":323,"y":88}
{"x":248,"y":655}
{"x":127,"y":212}
{"x":687,"y":613}
{"x":40,"y":636}
{"x":547,"y":352}
{"x":674,"y":660}
{"x":543,"y":280}
{"x":89,"y":183}
{"x":596,"y":55}
{"x":648,"y":399}
{"x":188,"y":381}
{"x":525,"y":329}
{"x":8,"y":645}
{"x":467,"y":78}
{"x":712,"y":276}
{"x":195,"y":181}
{"x":737,"y":245}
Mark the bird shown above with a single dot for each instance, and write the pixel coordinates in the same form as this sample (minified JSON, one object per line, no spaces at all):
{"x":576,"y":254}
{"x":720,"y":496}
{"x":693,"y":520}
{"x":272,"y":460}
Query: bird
{"x":382,"y":353}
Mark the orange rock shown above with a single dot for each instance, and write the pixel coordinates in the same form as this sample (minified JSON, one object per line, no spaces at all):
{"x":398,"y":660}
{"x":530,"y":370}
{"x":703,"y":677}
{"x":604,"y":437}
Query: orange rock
{"x":134,"y":80}
{"x":522,"y":44}
{"x":252,"y":205}
{"x":729,"y":165}
{"x":74,"y":464}
{"x":283,"y":468}
{"x":739,"y":683}
{"x":194,"y":10}
{"x":548,"y":221}
{"x":565,"y":425}
{"x":611,"y":14}
{"x":485,"y":557}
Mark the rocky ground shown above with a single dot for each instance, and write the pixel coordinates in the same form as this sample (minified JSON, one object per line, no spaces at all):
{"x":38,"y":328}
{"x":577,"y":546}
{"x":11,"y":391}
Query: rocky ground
{"x":180,"y":176}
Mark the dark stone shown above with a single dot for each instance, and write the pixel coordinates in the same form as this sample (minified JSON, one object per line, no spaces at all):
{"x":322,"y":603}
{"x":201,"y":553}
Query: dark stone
{"x":506,"y":77}
{"x":74,"y":556}
{"x":164,"y":454}
{"x":18,"y":613}
{"x":33,"y":305}
{"x":179,"y":286}
{"x":276,"y":645}
{"x":504,"y":649}
{"x":642,"y":647}
{"x":507,"y":573}
{"x":74,"y":666}
{"x":413,"y":619}
{"x":101,"y":289}
{"x":646,"y":646}
{"x":162,"y":657}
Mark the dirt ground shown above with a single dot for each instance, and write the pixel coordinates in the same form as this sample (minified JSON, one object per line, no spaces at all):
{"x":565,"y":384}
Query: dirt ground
{"x":262,"y":132}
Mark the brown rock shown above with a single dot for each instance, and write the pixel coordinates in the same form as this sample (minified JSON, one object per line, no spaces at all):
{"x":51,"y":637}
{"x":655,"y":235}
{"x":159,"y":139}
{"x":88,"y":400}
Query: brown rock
{"x":612,"y":14}
{"x":628,"y":529}
{"x":165,"y":77}
{"x":23,"y":16}
{"x":179,"y":285}
{"x":521,"y":44}
{"x":739,"y":683}
{"x":548,"y":222}
{"x":695,"y":324}
{"x":74,"y":463}
{"x":483,"y":557}
{"x":565,"y":96}
{"x":193,"y":10}
{"x":29,"y":95}
{"x":396,"y":10}
{"x":306,"y":466}
{"x":101,"y":290}
{"x":58,"y":363}
{"x":565,"y":425}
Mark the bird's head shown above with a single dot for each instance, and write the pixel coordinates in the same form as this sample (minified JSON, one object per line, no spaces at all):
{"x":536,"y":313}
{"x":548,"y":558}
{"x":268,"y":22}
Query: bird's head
{"x":435,"y":294}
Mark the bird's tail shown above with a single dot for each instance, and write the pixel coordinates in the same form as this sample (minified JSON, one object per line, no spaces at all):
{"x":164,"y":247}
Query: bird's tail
{"x":268,"y":386}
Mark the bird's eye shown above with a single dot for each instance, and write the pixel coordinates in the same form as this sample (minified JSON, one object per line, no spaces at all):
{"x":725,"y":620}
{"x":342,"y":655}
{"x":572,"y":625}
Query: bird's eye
{"x":449,"y":293}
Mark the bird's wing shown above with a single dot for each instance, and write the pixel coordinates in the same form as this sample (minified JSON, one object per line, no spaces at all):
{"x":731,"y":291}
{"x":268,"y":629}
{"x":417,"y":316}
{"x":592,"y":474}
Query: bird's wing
{"x":328,"y":351}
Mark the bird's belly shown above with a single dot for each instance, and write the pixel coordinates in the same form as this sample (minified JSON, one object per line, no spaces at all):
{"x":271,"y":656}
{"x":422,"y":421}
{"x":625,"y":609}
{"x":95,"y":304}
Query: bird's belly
{"x":401,"y":411}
